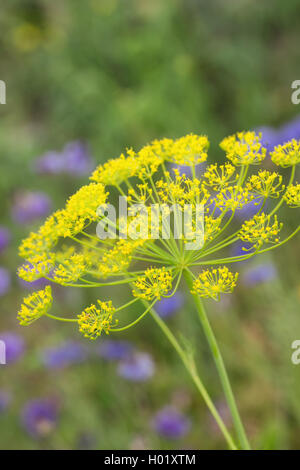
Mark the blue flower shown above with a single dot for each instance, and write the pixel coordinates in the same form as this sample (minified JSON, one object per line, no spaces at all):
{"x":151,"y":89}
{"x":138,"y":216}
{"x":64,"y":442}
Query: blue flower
{"x":259,"y":274}
{"x":68,"y":353}
{"x":169,"y":306}
{"x":171,"y":424}
{"x":73,"y":160}
{"x":30,"y":205}
{"x":14,"y":346}
{"x":39,"y":417}
{"x":137,"y":368}
{"x":113,"y":350}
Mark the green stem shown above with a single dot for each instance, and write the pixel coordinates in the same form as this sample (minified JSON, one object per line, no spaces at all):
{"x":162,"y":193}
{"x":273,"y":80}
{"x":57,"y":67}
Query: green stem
{"x":219,"y":364}
{"x":191,"y":369}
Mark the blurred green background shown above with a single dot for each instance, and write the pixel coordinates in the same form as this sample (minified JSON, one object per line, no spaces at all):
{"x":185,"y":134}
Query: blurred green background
{"x":115,"y":74}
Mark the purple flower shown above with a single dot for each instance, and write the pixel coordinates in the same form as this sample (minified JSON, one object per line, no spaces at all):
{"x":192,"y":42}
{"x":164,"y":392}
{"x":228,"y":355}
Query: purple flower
{"x":14,"y":346}
{"x":291,"y":130}
{"x":137,"y":368}
{"x":112,"y":350}
{"x":5,"y":237}
{"x":259,"y":274}
{"x":74,"y":160}
{"x":50,"y":163}
{"x":250,"y":209}
{"x":34,"y":285}
{"x":77,"y":159}
{"x":66,"y":354}
{"x":171,"y":424}
{"x":39,"y":417}
{"x":29,"y":206}
{"x":169,"y":306}
{"x":5,"y":399}
{"x":5,"y":281}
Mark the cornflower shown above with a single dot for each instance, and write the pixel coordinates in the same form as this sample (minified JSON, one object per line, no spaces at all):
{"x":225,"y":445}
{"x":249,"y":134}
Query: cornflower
{"x":152,"y":261}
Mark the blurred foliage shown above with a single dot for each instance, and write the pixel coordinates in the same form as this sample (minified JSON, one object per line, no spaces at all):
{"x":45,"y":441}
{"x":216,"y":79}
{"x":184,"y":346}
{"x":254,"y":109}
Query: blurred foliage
{"x":116,"y":74}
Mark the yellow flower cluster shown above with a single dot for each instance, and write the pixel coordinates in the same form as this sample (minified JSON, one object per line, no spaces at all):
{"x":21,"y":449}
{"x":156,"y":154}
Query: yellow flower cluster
{"x":292,"y":195}
{"x":96,"y":319}
{"x":287,"y":154}
{"x":244,"y":148}
{"x":35,"y":305}
{"x":156,"y":283}
{"x":265,"y":184}
{"x":189,"y":150}
{"x":212,"y":283}
{"x":220,"y":176}
{"x":71,"y":269}
{"x":37,"y":266}
{"x":116,"y":171}
{"x":233,"y":198}
{"x":181,"y":190}
{"x":150,"y":256}
{"x":260,"y":229}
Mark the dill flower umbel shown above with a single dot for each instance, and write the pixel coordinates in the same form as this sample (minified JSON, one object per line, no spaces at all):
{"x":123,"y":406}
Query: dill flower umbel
{"x":35,"y":305}
{"x":197,"y":219}
{"x":95,"y":319}
{"x":244,"y":148}
{"x":292,"y":195}
{"x":287,"y":154}
{"x":211,"y":283}
{"x":155,"y":284}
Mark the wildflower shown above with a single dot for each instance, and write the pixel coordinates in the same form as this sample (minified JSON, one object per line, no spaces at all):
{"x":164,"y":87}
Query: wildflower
{"x":152,"y":260}
{"x":265,"y":184}
{"x":211,"y":283}
{"x":260,"y":229}
{"x":73,"y":160}
{"x":113,"y":350}
{"x":96,"y":319}
{"x":14,"y":346}
{"x":171,"y":424}
{"x":292,"y":195}
{"x":29,"y":206}
{"x":244,"y":148}
{"x":287,"y":154}
{"x":259,"y":274}
{"x":39,"y":417}
{"x":67,"y":353}
{"x":169,"y":306}
{"x":138,"y":367}
{"x":35,"y":305}
{"x":155,"y":284}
